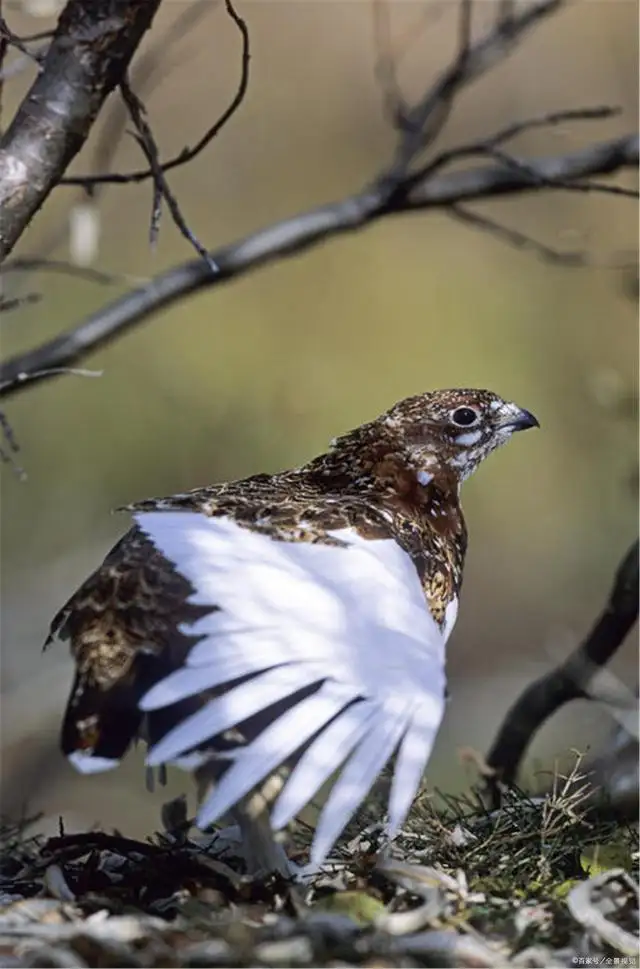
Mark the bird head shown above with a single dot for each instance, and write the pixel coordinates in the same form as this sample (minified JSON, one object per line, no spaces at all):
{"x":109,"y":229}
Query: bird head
{"x":447,"y":433}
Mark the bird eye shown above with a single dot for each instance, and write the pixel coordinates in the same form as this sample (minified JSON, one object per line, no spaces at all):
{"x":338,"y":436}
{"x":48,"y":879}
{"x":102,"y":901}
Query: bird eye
{"x":464,"y":416}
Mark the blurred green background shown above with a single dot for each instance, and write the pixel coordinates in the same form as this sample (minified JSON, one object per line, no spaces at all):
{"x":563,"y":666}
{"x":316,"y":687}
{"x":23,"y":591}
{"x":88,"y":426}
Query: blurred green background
{"x":261,"y":373}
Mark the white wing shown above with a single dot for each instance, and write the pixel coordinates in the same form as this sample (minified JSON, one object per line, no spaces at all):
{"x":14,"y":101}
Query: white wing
{"x":349,"y":622}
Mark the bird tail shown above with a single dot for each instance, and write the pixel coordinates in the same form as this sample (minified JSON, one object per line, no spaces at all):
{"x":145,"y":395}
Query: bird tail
{"x":100,"y":724}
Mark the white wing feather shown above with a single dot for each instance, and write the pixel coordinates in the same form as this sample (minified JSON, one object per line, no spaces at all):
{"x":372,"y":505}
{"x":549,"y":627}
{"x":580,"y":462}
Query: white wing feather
{"x":319,"y":761}
{"x":352,"y":619}
{"x":277,"y":742}
{"x":354,"y":783}
{"x":237,"y":705}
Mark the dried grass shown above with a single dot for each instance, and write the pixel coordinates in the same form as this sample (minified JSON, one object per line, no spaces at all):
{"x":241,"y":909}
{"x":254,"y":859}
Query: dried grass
{"x":461,"y":886}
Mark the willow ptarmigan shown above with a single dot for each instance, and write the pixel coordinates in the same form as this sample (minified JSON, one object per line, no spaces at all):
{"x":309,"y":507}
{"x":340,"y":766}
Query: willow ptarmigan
{"x":278,"y":628}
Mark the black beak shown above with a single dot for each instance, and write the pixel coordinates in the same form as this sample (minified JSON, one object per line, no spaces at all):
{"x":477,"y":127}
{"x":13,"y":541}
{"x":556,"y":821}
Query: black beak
{"x":523,"y":421}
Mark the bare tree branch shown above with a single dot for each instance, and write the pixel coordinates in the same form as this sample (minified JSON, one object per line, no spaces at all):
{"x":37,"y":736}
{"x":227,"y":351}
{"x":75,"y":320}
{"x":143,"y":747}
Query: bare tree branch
{"x":485,"y":146}
{"x":151,"y":66}
{"x":187,"y":154}
{"x":555,"y":172}
{"x":401,"y":188}
{"x":470,"y":63}
{"x":386,"y":66}
{"x":162,"y":191}
{"x":4,"y":46}
{"x":571,"y":680}
{"x":15,"y":302}
{"x":293,"y":235}
{"x":517,"y":239}
{"x":519,"y":164}
{"x":90,"y":52}
{"x":9,"y":439}
{"x":20,"y":43}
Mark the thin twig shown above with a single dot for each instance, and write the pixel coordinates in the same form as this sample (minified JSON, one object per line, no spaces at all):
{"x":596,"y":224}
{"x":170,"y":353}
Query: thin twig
{"x":21,"y":43}
{"x":424,"y":126}
{"x":29,"y":263}
{"x":153,"y":64}
{"x":161,"y":186}
{"x":187,"y":154}
{"x":518,"y":240}
{"x":511,"y":131}
{"x":7,"y":304}
{"x":8,"y":432}
{"x":36,"y":375}
{"x":469,"y":64}
{"x":7,"y":457}
{"x":388,"y":60}
{"x":296,"y":234}
{"x":554,"y":172}
{"x":90,"y":52}
{"x":4,"y":46}
{"x":518,"y":164}
{"x":150,"y":68}
{"x":385,"y":68}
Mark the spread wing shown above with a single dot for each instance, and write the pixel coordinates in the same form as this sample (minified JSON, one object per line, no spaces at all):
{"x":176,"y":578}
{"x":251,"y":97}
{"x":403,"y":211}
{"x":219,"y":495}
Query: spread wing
{"x":340,"y":630}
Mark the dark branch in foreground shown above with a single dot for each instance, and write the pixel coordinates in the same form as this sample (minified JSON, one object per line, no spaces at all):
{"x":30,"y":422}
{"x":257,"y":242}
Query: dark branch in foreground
{"x":293,"y":235}
{"x":90,"y":52}
{"x":572,"y":680}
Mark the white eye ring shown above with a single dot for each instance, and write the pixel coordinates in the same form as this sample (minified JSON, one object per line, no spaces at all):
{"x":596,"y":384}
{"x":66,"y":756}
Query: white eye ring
{"x":464,"y":416}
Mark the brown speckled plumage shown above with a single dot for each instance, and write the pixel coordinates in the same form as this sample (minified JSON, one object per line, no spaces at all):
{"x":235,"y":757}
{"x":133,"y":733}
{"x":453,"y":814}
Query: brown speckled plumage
{"x":396,"y":477}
